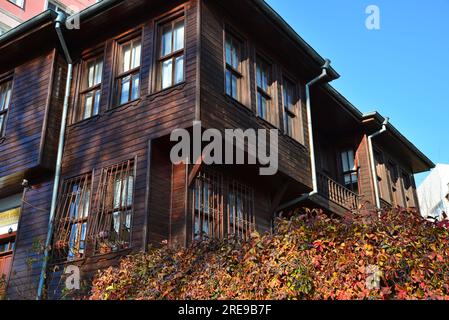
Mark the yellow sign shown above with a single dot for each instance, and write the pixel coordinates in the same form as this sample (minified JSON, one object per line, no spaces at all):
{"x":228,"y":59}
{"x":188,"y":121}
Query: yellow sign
{"x":9,"y":217}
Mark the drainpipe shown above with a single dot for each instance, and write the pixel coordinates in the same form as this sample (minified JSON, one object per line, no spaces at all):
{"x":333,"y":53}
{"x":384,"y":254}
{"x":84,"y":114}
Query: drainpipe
{"x":59,"y":21}
{"x":324,"y":76}
{"x":373,"y":162}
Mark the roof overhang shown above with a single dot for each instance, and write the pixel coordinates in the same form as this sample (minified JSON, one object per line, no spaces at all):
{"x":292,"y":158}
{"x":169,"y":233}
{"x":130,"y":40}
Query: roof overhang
{"x":397,"y":144}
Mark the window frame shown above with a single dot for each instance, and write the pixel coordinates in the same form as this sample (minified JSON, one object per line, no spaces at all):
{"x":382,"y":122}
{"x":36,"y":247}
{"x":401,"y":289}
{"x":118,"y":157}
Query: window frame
{"x":88,"y":180}
{"x":299,"y":137}
{"x":17,"y":5}
{"x":172,"y":18}
{"x":95,"y":54}
{"x":355,"y":171}
{"x":8,"y":78}
{"x":244,"y":82}
{"x":103,"y":206}
{"x":119,"y":43}
{"x":270,"y":95}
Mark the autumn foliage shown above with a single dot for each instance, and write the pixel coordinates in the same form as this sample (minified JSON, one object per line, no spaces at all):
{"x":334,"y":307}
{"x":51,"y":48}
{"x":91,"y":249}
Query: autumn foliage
{"x":310,"y":256}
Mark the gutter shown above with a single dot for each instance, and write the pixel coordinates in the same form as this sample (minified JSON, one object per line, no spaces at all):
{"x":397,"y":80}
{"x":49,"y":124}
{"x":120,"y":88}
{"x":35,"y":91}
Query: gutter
{"x":60,"y":19}
{"x":327,"y":77}
{"x":373,"y":162}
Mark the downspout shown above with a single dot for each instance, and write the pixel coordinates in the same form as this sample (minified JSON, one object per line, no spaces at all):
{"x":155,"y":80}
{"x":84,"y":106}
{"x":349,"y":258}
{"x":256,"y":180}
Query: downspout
{"x":324,"y":76}
{"x":373,"y":162}
{"x":60,"y":19}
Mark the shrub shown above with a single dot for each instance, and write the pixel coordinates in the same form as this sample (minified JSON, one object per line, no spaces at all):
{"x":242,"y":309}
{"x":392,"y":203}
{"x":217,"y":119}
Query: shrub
{"x":309,"y":256}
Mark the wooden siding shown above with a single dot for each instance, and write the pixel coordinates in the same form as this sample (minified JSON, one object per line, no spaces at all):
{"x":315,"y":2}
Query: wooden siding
{"x":22,"y":148}
{"x":31,"y":234}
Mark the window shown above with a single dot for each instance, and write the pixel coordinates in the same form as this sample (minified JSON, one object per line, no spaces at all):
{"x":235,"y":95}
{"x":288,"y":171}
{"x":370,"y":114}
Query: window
{"x":111,"y":221}
{"x":128,"y":71}
{"x":5,"y":100}
{"x":265,"y":105}
{"x":57,"y":7}
{"x":72,"y":217}
{"x":234,"y":68}
{"x":90,"y":89}
{"x":221,"y":207}
{"x":171,"y":53}
{"x":350,"y":171}
{"x":7,"y":246}
{"x":292,"y":116}
{"x":19,"y":3}
{"x":3,"y":29}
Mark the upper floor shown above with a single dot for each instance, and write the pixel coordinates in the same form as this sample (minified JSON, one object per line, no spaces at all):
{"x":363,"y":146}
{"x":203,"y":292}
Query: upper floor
{"x":145,"y":68}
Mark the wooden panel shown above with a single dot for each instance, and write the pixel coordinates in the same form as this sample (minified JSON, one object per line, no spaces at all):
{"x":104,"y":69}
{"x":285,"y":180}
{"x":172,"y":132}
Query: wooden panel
{"x":32,"y":230}
{"x":20,"y":150}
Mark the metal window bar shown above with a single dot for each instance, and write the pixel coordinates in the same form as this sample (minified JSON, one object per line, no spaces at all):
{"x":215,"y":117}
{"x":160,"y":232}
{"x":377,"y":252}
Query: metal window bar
{"x":71,"y":219}
{"x":110,"y":221}
{"x":221,"y":207}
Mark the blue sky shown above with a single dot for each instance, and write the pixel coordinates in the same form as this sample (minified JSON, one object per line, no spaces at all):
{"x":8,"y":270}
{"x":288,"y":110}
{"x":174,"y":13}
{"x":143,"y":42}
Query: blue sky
{"x":401,"y":70}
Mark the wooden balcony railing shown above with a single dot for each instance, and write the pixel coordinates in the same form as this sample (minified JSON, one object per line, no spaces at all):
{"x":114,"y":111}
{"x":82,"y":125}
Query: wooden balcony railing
{"x":337,"y":193}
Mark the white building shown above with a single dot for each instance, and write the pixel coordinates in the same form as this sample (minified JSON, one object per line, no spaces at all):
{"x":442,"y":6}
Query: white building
{"x":433,"y":193}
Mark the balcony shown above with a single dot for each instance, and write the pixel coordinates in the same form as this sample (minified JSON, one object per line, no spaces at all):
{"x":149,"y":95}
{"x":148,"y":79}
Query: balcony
{"x":337,"y":193}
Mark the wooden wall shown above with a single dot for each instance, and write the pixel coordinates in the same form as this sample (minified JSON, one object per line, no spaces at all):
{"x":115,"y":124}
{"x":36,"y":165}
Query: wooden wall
{"x":22,"y":150}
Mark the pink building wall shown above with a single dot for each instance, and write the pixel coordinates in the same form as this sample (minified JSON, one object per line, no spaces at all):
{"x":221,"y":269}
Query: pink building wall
{"x":11,"y":15}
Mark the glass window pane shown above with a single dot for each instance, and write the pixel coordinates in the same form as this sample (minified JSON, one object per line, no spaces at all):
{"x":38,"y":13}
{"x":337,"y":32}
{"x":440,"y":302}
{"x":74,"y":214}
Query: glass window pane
{"x":125,"y":87}
{"x":235,"y":56}
{"x":167,"y":69}
{"x":136,"y":52}
{"x":179,"y":36}
{"x":179,"y":69}
{"x":90,"y":74}
{"x":234,"y":87}
{"x":228,"y":51}
{"x":88,"y":106}
{"x":126,"y":57}
{"x":97,"y":103}
{"x":135,"y":87}
{"x":228,"y":83}
{"x":166,"y":42}
{"x":98,"y":72}
{"x":2,"y":117}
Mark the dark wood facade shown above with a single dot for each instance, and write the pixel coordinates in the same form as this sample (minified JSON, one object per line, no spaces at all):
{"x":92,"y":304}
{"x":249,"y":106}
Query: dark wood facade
{"x":163,"y":194}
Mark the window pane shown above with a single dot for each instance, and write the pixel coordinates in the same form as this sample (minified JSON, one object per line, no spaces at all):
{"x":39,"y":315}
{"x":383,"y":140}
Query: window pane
{"x":5,"y":95}
{"x":126,"y":57}
{"x":136,"y":52}
{"x":234,"y":87}
{"x":166,"y":42}
{"x":2,"y":117}
{"x":125,"y":87}
{"x":97,"y":103}
{"x":98,"y":72}
{"x":228,"y":83}
{"x":235,"y":56}
{"x":135,"y":87}
{"x":167,"y":69}
{"x":88,"y":106}
{"x":179,"y":36}
{"x":228,"y":51}
{"x":90,"y":74}
{"x":179,"y":75}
